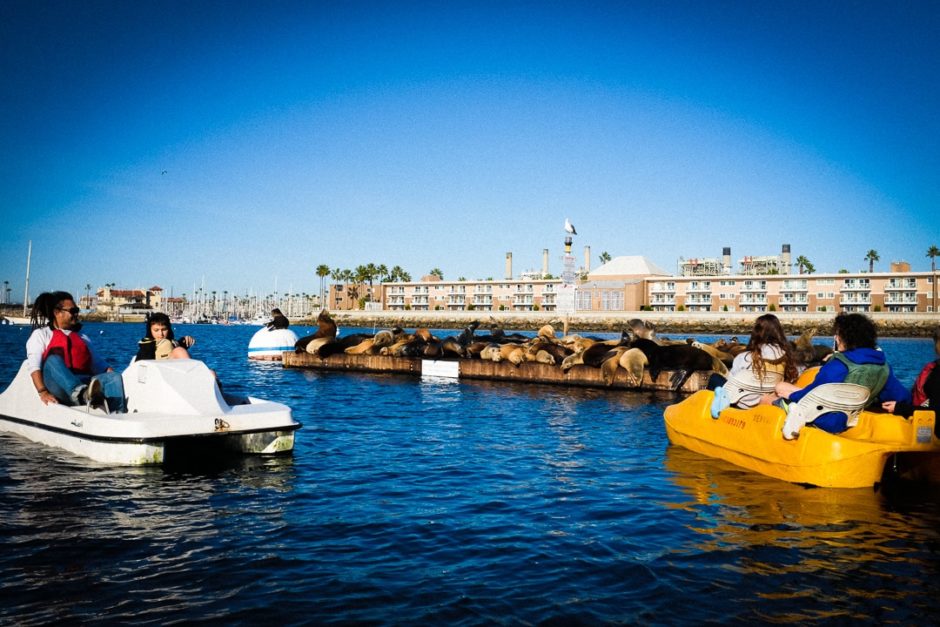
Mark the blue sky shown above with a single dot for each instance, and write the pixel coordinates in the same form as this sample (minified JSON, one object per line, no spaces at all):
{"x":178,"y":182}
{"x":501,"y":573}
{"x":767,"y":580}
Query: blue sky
{"x":241,"y":144}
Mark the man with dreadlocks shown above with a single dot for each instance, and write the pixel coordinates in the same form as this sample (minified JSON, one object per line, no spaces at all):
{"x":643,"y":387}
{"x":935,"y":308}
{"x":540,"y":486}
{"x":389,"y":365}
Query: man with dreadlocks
{"x":62,"y":364}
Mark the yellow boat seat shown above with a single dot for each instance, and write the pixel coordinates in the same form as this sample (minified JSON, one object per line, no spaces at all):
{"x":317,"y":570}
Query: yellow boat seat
{"x":746,"y":383}
{"x":848,"y":398}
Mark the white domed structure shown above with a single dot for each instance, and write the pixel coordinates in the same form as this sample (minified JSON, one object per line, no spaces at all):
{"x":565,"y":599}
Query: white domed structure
{"x":267,"y":345}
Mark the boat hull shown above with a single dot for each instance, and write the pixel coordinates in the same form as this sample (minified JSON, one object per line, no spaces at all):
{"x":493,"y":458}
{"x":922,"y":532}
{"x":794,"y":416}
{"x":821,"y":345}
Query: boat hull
{"x":171,"y":404}
{"x":753,"y":439}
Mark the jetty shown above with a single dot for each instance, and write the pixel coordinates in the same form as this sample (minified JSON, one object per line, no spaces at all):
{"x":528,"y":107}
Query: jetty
{"x":526,"y":372}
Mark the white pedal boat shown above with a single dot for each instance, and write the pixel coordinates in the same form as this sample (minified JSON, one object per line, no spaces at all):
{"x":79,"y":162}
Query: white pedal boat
{"x":172,"y":405}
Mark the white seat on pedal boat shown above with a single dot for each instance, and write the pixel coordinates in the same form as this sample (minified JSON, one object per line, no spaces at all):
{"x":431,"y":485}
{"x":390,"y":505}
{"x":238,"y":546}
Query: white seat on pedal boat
{"x":746,"y":382}
{"x":848,"y":398}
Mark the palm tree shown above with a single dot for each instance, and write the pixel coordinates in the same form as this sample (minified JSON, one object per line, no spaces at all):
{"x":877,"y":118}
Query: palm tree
{"x":351,"y":292}
{"x":605,"y":257}
{"x":383,"y":272}
{"x":933,"y":252}
{"x":323,"y":271}
{"x":87,"y":297}
{"x":805,"y":264}
{"x":871,"y":257}
{"x":397,"y":274}
{"x":437,"y":272}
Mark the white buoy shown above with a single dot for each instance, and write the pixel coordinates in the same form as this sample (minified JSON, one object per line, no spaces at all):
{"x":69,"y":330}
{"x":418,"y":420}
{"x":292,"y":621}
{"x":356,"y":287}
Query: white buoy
{"x":268,"y":345}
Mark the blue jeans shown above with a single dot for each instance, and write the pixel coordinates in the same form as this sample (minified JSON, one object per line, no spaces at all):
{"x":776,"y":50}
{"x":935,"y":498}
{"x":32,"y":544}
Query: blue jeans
{"x":63,"y":383}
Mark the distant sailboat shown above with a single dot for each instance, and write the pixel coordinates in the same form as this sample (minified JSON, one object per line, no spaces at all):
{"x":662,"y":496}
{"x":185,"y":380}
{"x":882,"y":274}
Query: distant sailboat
{"x":25,"y":318}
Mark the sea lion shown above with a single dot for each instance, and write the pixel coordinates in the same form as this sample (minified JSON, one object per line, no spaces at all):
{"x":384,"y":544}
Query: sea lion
{"x":641,"y":329}
{"x":634,"y":360}
{"x":732,"y":346}
{"x":279,"y":320}
{"x":807,"y":353}
{"x":513,"y":353}
{"x":466,"y":336}
{"x":611,"y":363}
{"x":453,"y":348}
{"x":681,"y":358}
{"x":362,"y":347}
{"x":544,"y":357}
{"x":491,"y":353}
{"x":725,"y":358}
{"x":326,"y":328}
{"x":547,"y":332}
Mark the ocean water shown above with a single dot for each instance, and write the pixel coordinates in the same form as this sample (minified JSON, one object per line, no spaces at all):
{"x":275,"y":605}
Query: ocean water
{"x":445,"y":502}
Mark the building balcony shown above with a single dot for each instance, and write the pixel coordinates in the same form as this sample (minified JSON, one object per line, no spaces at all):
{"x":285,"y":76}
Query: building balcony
{"x":752,"y":300}
{"x":901,"y":286}
{"x":855,"y":299}
{"x":852,"y":286}
{"x":901,"y":299}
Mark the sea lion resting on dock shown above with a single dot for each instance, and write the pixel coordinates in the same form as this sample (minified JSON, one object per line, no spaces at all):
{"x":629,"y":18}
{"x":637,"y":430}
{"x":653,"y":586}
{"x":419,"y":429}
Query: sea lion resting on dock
{"x":681,"y":358}
{"x":326,"y":328}
{"x":807,"y":353}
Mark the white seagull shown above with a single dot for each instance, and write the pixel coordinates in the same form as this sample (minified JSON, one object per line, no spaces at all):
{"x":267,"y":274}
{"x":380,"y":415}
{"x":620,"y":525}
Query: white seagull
{"x":569,"y":228}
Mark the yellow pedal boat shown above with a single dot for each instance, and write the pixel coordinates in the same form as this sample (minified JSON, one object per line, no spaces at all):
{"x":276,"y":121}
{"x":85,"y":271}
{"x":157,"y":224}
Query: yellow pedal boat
{"x":753,"y":439}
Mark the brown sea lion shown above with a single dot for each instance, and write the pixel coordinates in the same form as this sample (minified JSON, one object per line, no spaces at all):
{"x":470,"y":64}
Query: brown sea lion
{"x":326,"y":328}
{"x":634,"y":361}
{"x":611,"y":363}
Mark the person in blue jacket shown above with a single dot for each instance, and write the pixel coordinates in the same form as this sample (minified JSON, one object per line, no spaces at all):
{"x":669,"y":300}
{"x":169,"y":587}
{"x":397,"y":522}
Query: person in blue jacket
{"x":857,"y":360}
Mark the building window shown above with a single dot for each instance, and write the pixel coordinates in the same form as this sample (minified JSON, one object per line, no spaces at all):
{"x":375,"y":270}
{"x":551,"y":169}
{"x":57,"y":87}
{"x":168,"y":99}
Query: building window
{"x":611,"y":300}
{"x":584,"y":300}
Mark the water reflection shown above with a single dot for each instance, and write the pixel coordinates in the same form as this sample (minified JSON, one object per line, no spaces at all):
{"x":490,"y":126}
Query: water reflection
{"x":735,"y":507}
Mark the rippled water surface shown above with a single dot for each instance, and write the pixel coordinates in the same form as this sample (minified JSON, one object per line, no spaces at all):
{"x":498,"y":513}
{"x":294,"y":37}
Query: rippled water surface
{"x":443,"y":502}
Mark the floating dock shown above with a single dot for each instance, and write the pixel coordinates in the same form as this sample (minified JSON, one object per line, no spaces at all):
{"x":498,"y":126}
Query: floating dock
{"x":527,"y":372}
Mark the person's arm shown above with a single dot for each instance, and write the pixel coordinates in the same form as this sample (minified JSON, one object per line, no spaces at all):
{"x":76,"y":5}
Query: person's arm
{"x":35,"y":347}
{"x":833,"y":371}
{"x":894,"y":390}
{"x":899,"y":408}
{"x":98,"y":365}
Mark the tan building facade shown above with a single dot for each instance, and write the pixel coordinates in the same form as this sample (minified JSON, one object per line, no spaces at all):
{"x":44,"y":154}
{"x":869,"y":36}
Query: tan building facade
{"x":633,"y":283}
{"x":112,"y":301}
{"x":895,"y":292}
{"x":501,"y":295}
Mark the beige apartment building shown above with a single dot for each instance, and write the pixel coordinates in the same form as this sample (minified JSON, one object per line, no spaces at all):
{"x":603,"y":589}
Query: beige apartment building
{"x":900,"y":292}
{"x":432,"y":294}
{"x":633,"y":283}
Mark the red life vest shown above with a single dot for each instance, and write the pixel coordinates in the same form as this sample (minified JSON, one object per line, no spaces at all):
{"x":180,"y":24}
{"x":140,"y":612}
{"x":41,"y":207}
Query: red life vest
{"x":918,"y":394}
{"x":72,"y":349}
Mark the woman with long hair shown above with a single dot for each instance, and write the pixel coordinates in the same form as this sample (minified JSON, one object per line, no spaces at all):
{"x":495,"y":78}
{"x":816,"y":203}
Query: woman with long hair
{"x":768,"y":351}
{"x":62,"y":363}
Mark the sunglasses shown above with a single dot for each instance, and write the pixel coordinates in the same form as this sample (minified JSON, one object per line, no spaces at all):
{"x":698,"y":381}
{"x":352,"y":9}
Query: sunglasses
{"x":73,"y":310}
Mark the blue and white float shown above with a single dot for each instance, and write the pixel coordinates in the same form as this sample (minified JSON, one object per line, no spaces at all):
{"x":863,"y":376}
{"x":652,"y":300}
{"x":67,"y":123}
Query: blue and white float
{"x":269,"y":344}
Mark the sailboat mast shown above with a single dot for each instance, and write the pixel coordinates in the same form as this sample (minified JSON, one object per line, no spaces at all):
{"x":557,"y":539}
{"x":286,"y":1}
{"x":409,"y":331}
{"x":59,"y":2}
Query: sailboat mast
{"x":29,"y":255}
